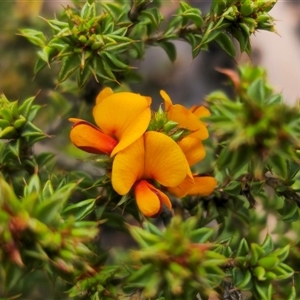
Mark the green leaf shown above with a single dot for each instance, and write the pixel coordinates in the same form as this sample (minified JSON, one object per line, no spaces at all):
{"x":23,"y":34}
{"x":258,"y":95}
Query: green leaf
{"x":153,"y":17}
{"x":246,"y":281}
{"x":152,"y":228}
{"x":81,"y":209}
{"x":34,"y":185}
{"x":256,"y":90}
{"x":31,"y":130}
{"x":47,"y":190}
{"x":25,"y":107}
{"x":102,"y":69}
{"x":282,"y":253}
{"x":48,"y":211}
{"x":88,"y":11}
{"x":69,"y":65}
{"x":57,"y":25}
{"x":143,"y":237}
{"x":293,"y":169}
{"x":44,"y":158}
{"x":243,"y":248}
{"x":210,"y":35}
{"x":259,"y":272}
{"x":34,"y":36}
{"x":268,"y":262}
{"x":201,"y":235}
{"x":233,"y":188}
{"x":283,"y":271}
{"x":142,"y":275}
{"x":169,"y":48}
{"x":240,"y":157}
{"x":84,"y":75}
{"x":226,"y":43}
{"x":289,"y":211}
{"x":264,"y":290}
{"x":268,"y":244}
{"x":114,"y":60}
{"x":194,"y":15}
{"x":256,"y":253}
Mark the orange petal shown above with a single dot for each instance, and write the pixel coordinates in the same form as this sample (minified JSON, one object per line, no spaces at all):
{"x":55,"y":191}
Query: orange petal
{"x":203,"y":186}
{"x":89,"y":138}
{"x":164,"y":160}
{"x":183,"y":188}
{"x":167,"y":99}
{"x":185,"y":118}
{"x":76,"y":120}
{"x":193,"y":149}
{"x":125,"y":116}
{"x":128,"y":167}
{"x":149,"y":199}
{"x":104,"y":94}
{"x":188,"y":120}
{"x":200,"y":111}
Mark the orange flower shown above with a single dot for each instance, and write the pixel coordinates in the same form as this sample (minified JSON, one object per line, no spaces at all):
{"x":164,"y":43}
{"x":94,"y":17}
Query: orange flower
{"x":201,"y":185}
{"x":188,"y":119}
{"x":122,"y":118}
{"x":191,"y":145}
{"x":153,"y":157}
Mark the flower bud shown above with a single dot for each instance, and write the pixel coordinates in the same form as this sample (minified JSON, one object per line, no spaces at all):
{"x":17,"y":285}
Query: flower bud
{"x":170,"y":125}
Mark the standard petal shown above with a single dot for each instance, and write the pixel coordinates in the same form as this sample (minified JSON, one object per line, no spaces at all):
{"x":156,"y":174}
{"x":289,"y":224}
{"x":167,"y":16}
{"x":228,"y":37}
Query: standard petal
{"x":125,"y":116}
{"x":164,"y":160}
{"x":193,"y":149}
{"x":147,"y":200}
{"x":203,"y":186}
{"x":128,"y":167}
{"x":89,"y":138}
{"x":104,"y":94}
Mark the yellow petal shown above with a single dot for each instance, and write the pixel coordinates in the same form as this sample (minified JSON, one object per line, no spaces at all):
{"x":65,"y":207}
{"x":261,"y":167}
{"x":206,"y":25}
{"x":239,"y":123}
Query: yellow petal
{"x":162,"y":196}
{"x":203,"y":186}
{"x":76,"y":120}
{"x":200,"y":111}
{"x":149,"y":199}
{"x":128,"y":167}
{"x":186,"y":118}
{"x":193,"y":149}
{"x":125,"y":116}
{"x":183,"y":188}
{"x":164,"y":160}
{"x":104,"y":94}
{"x":167,"y":99}
{"x":89,"y":138}
{"x":201,"y":133}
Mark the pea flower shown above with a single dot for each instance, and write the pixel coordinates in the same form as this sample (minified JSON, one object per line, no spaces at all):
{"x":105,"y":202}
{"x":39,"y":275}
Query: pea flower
{"x":191,"y":146}
{"x":187,"y":119}
{"x":122,"y":118}
{"x":154,"y":157}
